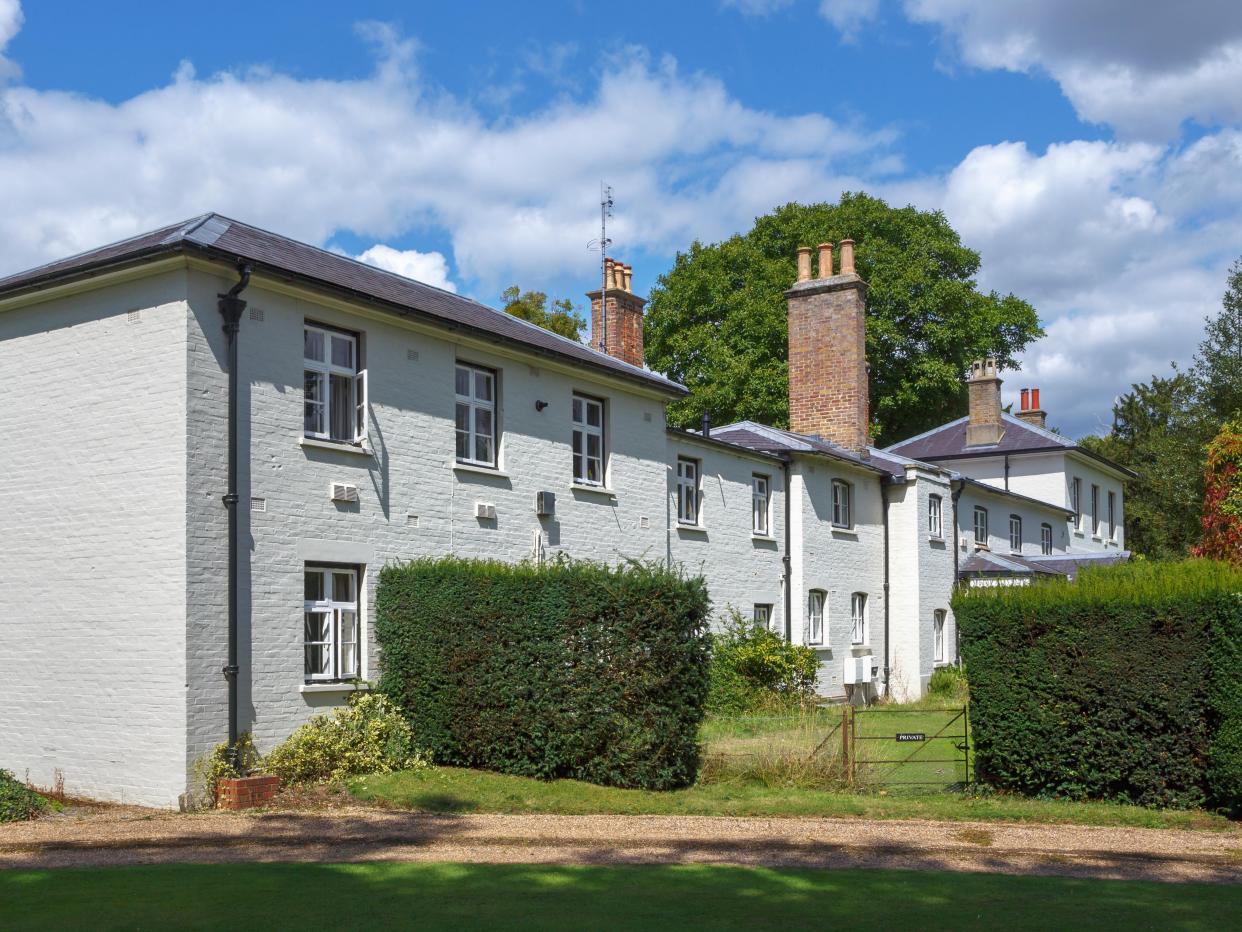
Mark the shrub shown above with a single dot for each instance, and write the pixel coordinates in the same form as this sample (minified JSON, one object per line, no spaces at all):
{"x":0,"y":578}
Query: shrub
{"x":18,"y":802}
{"x":221,"y":765}
{"x":755,"y":670}
{"x":368,"y":735}
{"x":949,"y":684}
{"x":1222,"y":500}
{"x":568,"y":670}
{"x":1124,"y":685}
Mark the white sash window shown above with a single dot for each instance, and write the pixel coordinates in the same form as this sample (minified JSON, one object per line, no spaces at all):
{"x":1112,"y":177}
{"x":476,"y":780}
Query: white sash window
{"x":331,"y":624}
{"x":335,"y":389}
{"x":476,"y":415}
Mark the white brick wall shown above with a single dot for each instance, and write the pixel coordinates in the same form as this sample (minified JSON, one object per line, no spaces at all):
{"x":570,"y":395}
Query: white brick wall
{"x":92,"y":524}
{"x":999,"y":507}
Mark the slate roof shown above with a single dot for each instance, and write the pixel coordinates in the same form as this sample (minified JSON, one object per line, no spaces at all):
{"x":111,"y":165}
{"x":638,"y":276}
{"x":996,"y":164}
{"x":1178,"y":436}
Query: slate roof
{"x":985,"y":563}
{"x":216,"y":237}
{"x":774,"y":440}
{"x":948,"y":441}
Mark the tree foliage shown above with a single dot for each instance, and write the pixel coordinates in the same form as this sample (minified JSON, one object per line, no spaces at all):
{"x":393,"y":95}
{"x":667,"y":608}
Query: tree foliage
{"x":562,"y":317}
{"x":1222,"y":501}
{"x":717,"y":319}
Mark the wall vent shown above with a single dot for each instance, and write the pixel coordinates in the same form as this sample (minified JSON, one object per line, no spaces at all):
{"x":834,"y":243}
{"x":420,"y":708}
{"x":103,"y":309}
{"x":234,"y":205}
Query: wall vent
{"x":485,"y":511}
{"x":341,"y":492}
{"x":133,"y":316}
{"x":258,"y":504}
{"x":545,"y":504}
{"x":256,"y":313}
{"x":411,"y":520}
{"x":411,"y":355}
{"x":647,"y":416}
{"x":644,"y":522}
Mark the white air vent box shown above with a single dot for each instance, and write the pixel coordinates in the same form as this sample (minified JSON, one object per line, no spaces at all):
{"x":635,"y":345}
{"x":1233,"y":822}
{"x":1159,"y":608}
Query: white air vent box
{"x":857,"y":670}
{"x":485,"y":511}
{"x":341,"y":492}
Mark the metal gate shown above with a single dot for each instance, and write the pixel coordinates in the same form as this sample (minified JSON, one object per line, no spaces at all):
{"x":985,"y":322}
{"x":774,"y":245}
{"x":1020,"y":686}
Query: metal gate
{"x":927,"y":748}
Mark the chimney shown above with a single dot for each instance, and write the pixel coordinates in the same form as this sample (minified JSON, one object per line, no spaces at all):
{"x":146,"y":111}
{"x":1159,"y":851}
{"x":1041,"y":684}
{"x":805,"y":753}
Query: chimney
{"x":985,"y":426}
{"x":618,"y":328}
{"x":827,"y":351}
{"x":1031,"y":412}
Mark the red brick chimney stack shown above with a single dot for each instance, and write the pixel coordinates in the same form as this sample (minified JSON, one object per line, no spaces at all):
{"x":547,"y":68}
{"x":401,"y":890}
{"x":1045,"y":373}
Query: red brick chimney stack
{"x":828,"y":395}
{"x":985,"y":426}
{"x":1030,"y":411}
{"x":618,"y":328}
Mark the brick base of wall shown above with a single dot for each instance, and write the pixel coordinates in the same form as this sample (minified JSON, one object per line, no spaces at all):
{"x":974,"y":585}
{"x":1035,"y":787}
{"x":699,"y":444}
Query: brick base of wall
{"x":246,"y":792}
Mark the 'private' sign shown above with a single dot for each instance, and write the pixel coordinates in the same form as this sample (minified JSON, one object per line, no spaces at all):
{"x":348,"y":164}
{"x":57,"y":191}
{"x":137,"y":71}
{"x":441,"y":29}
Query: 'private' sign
{"x":911,"y":736}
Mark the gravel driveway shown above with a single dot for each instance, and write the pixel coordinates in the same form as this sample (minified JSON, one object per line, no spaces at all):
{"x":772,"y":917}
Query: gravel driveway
{"x":135,"y":836}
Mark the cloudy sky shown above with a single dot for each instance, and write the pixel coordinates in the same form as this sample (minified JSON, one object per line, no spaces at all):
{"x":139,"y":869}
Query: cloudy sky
{"x":1091,"y":150}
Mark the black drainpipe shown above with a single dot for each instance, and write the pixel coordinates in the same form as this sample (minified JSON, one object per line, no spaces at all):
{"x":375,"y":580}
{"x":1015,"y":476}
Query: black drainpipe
{"x":887,"y":648}
{"x":1006,"y":472}
{"x":787,"y":561}
{"x":956,"y":494}
{"x":231,"y":308}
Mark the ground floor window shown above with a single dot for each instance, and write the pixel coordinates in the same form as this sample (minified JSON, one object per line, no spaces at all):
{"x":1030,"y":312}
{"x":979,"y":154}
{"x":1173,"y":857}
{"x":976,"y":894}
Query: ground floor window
{"x":858,"y":618}
{"x":331,"y":623}
{"x":938,"y":634}
{"x":763,"y":616}
{"x":815,"y":616}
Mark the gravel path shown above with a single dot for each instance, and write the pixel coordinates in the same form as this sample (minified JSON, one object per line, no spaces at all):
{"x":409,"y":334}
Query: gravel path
{"x":134,"y":836}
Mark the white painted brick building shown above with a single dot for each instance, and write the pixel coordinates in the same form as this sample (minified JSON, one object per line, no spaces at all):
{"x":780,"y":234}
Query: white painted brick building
{"x":381,"y":420}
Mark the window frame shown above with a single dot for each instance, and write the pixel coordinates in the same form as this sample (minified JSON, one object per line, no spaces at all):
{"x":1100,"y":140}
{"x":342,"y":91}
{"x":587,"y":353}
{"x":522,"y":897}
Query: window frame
{"x":860,"y":628}
{"x":935,"y":517}
{"x":1095,"y":509}
{"x":474,"y":405}
{"x":842,"y":501}
{"x":939,"y":618}
{"x":581,"y":432}
{"x":1015,"y":521}
{"x":816,"y":622}
{"x":1045,"y":539}
{"x":1075,"y":491}
{"x":1112,"y":514}
{"x":336,"y":640}
{"x":980,"y":510}
{"x":324,"y":370}
{"x":689,"y":490}
{"x":763,"y":609}
{"x":761,"y":505}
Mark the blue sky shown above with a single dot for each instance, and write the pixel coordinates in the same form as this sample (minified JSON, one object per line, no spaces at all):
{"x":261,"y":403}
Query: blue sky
{"x":1090,"y":150}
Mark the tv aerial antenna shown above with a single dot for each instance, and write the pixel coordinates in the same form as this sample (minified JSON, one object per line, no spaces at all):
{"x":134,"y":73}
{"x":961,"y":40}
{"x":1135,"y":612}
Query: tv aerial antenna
{"x":605,"y":213}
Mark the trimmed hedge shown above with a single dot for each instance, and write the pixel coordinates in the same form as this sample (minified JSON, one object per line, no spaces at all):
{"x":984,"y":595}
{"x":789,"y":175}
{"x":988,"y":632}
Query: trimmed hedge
{"x":569,"y":670}
{"x":1125,"y":685}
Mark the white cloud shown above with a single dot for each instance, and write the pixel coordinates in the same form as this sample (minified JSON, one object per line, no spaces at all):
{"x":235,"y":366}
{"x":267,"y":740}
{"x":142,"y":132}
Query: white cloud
{"x":848,"y":16}
{"x":756,"y":7}
{"x":10,"y":24}
{"x":430,"y":268}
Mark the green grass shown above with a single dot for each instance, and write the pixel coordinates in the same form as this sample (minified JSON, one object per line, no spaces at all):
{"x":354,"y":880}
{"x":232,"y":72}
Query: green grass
{"x":542,"y":897}
{"x":450,"y":789}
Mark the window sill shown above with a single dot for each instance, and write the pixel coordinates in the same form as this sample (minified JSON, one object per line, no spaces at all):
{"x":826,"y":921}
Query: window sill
{"x":935,"y":539}
{"x":767,"y":538}
{"x":334,"y":687}
{"x":599,"y":490}
{"x":846,"y":532}
{"x":979,"y":546}
{"x":696,"y":529}
{"x":336,"y":445}
{"x":1097,"y":538}
{"x":1078,"y":534}
{"x":475,"y":470}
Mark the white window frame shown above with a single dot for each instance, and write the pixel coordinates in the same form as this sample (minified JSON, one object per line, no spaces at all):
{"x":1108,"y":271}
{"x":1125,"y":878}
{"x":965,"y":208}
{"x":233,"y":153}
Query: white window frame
{"x":939,"y":616}
{"x":1075,"y":491}
{"x":763,"y":615}
{"x":476,"y":405}
{"x":323,"y":370}
{"x":978,"y":525}
{"x":342,"y":633}
{"x":842,"y":504}
{"x":1112,"y":514}
{"x":582,"y":430}
{"x":1095,"y":510}
{"x":816,"y":606}
{"x":760,"y":504}
{"x":1045,"y":539}
{"x":1015,"y":523}
{"x":935,"y":517}
{"x":689,"y":483}
{"x":859,"y":628}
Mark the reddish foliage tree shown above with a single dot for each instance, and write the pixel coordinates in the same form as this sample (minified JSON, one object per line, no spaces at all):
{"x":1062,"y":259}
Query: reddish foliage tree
{"x":1222,"y":501}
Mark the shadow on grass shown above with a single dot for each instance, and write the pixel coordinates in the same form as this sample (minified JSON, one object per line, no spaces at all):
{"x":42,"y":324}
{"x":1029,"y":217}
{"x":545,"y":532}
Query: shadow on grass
{"x":521,"y":897}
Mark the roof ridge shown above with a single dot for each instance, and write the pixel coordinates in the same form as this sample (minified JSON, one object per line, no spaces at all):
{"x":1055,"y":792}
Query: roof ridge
{"x":1036,"y":429}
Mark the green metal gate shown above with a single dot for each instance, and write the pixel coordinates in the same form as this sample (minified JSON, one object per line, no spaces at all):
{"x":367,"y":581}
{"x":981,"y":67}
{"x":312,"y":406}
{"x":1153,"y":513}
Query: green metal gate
{"x":928,"y":748}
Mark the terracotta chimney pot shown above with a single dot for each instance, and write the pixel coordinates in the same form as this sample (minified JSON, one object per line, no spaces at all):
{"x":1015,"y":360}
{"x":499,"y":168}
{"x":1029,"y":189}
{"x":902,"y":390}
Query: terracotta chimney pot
{"x":825,"y":260}
{"x":847,"y":257}
{"x":804,"y":263}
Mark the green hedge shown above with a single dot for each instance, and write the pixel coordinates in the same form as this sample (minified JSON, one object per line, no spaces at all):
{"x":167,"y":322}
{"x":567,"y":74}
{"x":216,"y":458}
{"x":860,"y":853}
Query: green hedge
{"x":570,"y":670}
{"x":1124,"y":685}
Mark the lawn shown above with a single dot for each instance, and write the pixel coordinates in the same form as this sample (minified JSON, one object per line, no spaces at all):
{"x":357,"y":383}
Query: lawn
{"x":518,"y":897}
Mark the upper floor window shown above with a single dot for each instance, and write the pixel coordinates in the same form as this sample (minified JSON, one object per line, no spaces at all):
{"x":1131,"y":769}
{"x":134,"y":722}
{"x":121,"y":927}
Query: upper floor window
{"x":1112,"y":515}
{"x":760,"y":504}
{"x":1075,"y":490}
{"x":815,"y":617}
{"x":588,"y":417}
{"x":1095,"y":509}
{"x":1045,"y":539}
{"x":331,"y":632}
{"x":935,"y":527}
{"x":842,"y":493}
{"x":335,"y":389}
{"x":938,"y":618}
{"x":981,"y":526}
{"x":476,"y":415}
{"x":687,"y":490}
{"x":858,"y":618}
{"x":1015,"y":533}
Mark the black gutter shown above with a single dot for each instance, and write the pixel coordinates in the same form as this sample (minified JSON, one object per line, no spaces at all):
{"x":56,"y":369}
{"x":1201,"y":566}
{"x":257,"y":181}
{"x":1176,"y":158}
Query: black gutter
{"x":1022,"y":451}
{"x":231,"y":308}
{"x":787,"y":560}
{"x":884,"y":483}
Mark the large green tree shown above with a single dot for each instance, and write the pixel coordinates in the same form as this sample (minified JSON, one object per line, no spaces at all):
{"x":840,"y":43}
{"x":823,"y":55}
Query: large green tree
{"x":562,"y":317}
{"x":717,"y":319}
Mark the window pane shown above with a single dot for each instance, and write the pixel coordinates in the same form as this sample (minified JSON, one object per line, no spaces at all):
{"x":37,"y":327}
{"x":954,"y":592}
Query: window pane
{"x":349,"y":643}
{"x":483,"y":448}
{"x":341,"y":401}
{"x":462,"y":383}
{"x":483,"y":422}
{"x":595,"y":414}
{"x":577,"y":410}
{"x":317,"y":629}
{"x":463,"y":445}
{"x":318,"y":661}
{"x":314,"y":587}
{"x":343,"y":352}
{"x":579,"y":472}
{"x":312,"y":345}
{"x":312,"y":388}
{"x":343,"y":587}
{"x":483,"y":386}
{"x":594,"y":445}
{"x":595,"y":470}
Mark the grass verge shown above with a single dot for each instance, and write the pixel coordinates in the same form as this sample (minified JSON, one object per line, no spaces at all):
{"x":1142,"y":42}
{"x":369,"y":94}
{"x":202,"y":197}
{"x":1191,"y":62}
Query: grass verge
{"x":520,"y":897}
